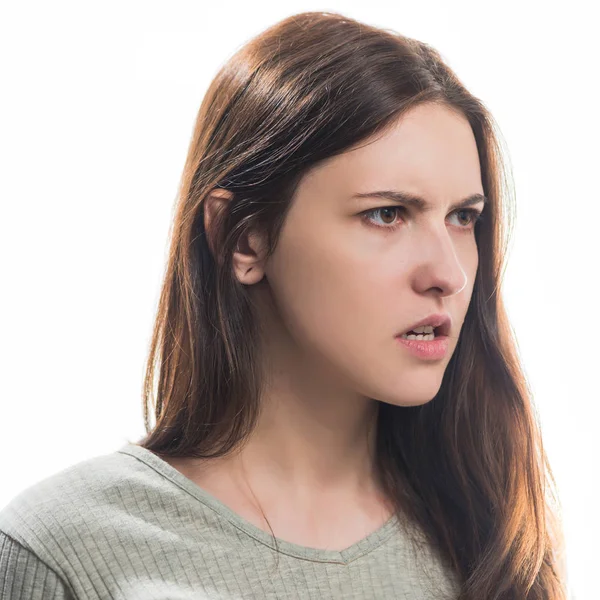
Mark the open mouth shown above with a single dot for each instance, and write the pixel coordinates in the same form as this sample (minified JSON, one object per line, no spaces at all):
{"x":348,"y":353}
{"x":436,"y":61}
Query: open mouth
{"x":429,"y":334}
{"x":425,"y":336}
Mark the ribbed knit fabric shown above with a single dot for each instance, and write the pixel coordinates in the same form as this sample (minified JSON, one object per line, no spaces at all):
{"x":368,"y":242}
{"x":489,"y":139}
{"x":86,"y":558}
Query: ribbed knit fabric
{"x":127,"y":525}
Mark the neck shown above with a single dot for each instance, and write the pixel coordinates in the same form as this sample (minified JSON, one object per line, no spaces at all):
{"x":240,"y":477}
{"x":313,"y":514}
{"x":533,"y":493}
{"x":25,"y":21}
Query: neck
{"x":312,"y":446}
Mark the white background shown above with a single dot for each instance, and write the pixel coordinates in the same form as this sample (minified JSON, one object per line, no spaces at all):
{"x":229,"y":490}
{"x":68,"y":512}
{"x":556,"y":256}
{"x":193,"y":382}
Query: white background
{"x":97,"y":108}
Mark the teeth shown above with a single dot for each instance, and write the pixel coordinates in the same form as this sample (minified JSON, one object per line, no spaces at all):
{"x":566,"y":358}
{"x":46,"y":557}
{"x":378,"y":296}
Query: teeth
{"x":424,"y":329}
{"x":426,"y":337}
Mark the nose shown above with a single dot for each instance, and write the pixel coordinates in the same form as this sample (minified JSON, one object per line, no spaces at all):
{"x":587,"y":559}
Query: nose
{"x":441,"y":263}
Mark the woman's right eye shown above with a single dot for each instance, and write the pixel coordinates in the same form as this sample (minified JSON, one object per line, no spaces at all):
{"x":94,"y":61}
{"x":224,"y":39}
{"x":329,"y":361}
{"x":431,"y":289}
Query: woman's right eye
{"x":385,"y":212}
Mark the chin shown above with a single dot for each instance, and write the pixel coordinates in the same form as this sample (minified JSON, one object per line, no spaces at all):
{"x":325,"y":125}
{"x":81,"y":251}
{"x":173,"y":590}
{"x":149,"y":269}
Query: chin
{"x":410,"y":400}
{"x":407,"y":397}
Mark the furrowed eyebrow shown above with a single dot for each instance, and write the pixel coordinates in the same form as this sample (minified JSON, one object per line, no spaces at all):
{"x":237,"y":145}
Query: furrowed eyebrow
{"x":417,"y":201}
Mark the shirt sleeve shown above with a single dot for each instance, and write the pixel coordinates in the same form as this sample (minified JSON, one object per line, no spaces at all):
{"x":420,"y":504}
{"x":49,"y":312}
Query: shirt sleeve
{"x":24,"y":576}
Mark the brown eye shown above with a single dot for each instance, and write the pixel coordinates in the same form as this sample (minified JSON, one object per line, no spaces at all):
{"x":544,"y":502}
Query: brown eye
{"x":388,"y":213}
{"x":473,"y":217}
{"x":467,"y":215}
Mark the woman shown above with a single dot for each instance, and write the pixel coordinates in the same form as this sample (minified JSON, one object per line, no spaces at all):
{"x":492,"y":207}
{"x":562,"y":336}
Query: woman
{"x":340,"y":410}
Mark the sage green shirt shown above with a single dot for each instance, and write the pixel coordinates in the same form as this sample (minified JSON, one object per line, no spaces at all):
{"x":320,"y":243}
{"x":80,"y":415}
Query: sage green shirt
{"x":127,"y":525}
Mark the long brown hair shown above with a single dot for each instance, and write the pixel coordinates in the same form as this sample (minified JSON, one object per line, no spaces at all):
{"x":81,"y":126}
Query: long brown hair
{"x":308,"y":88}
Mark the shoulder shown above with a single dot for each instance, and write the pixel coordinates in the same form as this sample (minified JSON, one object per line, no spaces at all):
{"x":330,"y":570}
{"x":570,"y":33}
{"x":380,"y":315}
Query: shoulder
{"x":64,"y":509}
{"x":23,"y":575}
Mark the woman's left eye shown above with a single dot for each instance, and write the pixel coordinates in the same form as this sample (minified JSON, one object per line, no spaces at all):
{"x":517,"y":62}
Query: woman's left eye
{"x":474,"y":218}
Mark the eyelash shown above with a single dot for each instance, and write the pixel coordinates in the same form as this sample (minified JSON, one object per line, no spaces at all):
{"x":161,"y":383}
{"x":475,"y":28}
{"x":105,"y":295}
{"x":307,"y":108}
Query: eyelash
{"x":476,"y":217}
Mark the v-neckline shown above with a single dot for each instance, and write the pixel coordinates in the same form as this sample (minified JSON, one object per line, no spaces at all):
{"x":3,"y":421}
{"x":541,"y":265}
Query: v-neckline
{"x":349,"y":554}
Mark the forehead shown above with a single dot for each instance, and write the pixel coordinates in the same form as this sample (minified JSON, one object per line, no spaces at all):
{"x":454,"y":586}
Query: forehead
{"x":430,"y":151}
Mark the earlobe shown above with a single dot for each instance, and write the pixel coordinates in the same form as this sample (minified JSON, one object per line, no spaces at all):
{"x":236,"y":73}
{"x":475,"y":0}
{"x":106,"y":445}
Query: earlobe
{"x":249,"y":276}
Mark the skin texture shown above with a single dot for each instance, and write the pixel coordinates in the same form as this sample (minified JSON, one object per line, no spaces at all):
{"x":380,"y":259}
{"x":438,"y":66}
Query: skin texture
{"x":331,"y":300}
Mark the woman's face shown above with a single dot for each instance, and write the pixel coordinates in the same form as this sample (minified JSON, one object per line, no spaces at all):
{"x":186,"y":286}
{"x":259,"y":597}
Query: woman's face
{"x":340,"y":288}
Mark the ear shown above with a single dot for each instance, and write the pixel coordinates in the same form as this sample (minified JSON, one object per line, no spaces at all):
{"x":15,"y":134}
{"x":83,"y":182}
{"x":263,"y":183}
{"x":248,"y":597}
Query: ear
{"x":248,"y":259}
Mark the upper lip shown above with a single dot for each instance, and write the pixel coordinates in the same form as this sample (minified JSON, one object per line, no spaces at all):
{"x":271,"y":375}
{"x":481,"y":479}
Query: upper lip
{"x":440,"y":321}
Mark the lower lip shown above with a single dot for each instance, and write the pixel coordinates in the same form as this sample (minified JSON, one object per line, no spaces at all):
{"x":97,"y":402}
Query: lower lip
{"x":427,"y":349}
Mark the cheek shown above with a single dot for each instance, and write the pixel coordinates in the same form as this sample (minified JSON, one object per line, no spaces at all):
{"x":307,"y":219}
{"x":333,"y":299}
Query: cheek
{"x":330,"y":301}
{"x":347,"y":322}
